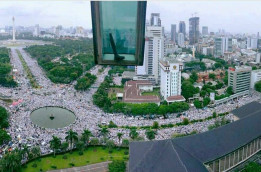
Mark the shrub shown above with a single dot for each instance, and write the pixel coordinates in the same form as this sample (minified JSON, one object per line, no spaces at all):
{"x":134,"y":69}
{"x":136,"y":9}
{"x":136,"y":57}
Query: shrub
{"x":81,"y":153}
{"x":65,"y":157}
{"x":72,"y":164}
{"x":117,"y":166}
{"x":34,"y":165}
{"x":53,"y":166}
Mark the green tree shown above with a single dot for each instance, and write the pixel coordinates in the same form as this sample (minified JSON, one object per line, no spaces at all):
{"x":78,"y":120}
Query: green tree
{"x":198,"y":104}
{"x":64,"y":146}
{"x":4,"y":137}
{"x":194,"y":76}
{"x":94,"y":142}
{"x":163,"y":110}
{"x":104,"y":132}
{"x":80,"y":146}
{"x":206,"y":101}
{"x":125,"y":143}
{"x":86,"y":136}
{"x":258,"y":86}
{"x":150,"y":134}
{"x":188,"y":90}
{"x":155,"y":125}
{"x":11,"y":161}
{"x":185,"y":121}
{"x":212,"y":76}
{"x":71,"y":138}
{"x":55,"y":144}
{"x":110,"y":145}
{"x":133,"y":134}
{"x":119,"y":135}
{"x":117,"y":166}
{"x":36,"y":151}
{"x":229,"y":90}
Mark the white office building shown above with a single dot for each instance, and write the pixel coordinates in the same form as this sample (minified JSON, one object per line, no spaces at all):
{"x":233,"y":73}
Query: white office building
{"x":252,"y":43}
{"x":36,"y":30}
{"x":170,"y":74}
{"x":222,"y":45}
{"x":255,"y":77}
{"x":181,"y":39}
{"x":153,"y":52}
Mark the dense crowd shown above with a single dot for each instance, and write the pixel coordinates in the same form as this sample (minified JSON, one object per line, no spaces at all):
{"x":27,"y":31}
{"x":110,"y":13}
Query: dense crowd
{"x":88,"y":116}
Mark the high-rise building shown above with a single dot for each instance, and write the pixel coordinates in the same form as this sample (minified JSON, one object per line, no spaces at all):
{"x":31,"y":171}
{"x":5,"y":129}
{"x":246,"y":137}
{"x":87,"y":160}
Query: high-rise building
{"x":258,"y":41}
{"x":193,"y":30}
{"x":181,"y":39}
{"x":155,"y":19}
{"x":170,"y":74}
{"x":173,"y":33}
{"x":239,"y":78}
{"x":182,"y":28}
{"x":153,"y":52}
{"x":222,"y":45}
{"x":204,"y":30}
{"x":252,"y":43}
{"x":36,"y":30}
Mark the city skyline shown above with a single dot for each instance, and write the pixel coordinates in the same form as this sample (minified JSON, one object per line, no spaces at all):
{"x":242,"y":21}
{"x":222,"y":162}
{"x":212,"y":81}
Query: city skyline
{"x":77,"y":13}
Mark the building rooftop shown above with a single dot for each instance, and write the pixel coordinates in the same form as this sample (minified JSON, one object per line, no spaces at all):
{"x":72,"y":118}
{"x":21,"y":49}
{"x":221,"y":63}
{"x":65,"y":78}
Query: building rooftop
{"x":189,"y":153}
{"x":247,"y":110}
{"x":132,"y":93}
{"x":175,"y":98}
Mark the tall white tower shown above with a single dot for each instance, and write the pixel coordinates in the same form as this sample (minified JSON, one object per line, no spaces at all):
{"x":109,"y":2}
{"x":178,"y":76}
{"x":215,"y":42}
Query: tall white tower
{"x":13,"y":29}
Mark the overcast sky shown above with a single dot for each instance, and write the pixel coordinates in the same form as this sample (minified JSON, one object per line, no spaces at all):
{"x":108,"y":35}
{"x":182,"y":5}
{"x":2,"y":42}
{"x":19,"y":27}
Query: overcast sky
{"x":233,"y":16}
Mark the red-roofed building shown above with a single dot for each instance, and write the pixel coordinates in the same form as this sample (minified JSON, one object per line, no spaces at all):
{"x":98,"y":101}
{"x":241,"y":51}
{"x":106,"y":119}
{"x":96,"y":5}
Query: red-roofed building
{"x":133,"y":90}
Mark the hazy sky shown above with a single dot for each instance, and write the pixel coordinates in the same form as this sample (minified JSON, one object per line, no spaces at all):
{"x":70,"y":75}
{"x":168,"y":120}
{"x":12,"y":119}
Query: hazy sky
{"x":233,"y":16}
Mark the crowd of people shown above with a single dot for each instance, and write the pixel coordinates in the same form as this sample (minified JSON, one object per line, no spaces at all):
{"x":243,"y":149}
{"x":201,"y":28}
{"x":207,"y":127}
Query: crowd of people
{"x":88,"y":116}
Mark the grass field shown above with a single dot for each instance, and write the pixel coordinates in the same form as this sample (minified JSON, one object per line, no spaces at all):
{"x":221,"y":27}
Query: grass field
{"x":114,"y":91}
{"x":91,"y":156}
{"x":155,"y":92}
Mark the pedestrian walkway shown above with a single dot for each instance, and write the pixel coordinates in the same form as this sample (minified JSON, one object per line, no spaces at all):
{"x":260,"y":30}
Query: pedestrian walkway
{"x":99,"y":167}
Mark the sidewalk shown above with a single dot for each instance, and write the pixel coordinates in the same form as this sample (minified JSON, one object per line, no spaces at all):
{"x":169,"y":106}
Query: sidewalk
{"x":99,"y":167}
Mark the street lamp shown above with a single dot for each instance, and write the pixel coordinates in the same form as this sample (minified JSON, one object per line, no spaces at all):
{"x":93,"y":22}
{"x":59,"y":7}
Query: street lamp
{"x":118,"y":32}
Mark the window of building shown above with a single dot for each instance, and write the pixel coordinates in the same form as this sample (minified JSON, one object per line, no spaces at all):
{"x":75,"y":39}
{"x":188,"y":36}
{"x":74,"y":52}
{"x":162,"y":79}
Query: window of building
{"x":118,"y":32}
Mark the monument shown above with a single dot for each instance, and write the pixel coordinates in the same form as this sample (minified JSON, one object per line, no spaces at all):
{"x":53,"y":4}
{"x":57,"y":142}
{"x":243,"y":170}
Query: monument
{"x":13,"y":29}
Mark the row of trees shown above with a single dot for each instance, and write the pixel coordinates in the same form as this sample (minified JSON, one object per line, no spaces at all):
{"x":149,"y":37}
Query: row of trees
{"x":12,"y":161}
{"x":63,"y":61}
{"x":85,"y":82}
{"x":6,"y":79}
{"x":4,"y":136}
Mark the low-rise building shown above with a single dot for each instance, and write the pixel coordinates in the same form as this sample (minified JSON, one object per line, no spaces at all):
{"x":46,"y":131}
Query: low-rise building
{"x":133,"y":90}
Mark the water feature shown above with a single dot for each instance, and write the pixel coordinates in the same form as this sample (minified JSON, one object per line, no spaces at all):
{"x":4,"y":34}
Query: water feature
{"x":52,"y":117}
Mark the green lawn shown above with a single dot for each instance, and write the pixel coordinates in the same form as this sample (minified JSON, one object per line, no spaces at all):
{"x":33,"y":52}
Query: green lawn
{"x":91,"y":156}
{"x":155,"y":92}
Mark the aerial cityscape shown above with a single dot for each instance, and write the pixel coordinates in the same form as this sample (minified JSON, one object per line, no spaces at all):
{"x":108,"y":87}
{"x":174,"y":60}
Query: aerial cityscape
{"x":194,"y":104}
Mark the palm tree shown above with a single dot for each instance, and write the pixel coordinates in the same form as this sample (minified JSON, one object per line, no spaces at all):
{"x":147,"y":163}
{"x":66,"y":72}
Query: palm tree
{"x":150,"y":134}
{"x":133,"y":133}
{"x":119,"y":135}
{"x":55,"y":144}
{"x":71,"y":137}
{"x":86,"y":136}
{"x":25,"y":151}
{"x":36,"y":151}
{"x":104,"y":132}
